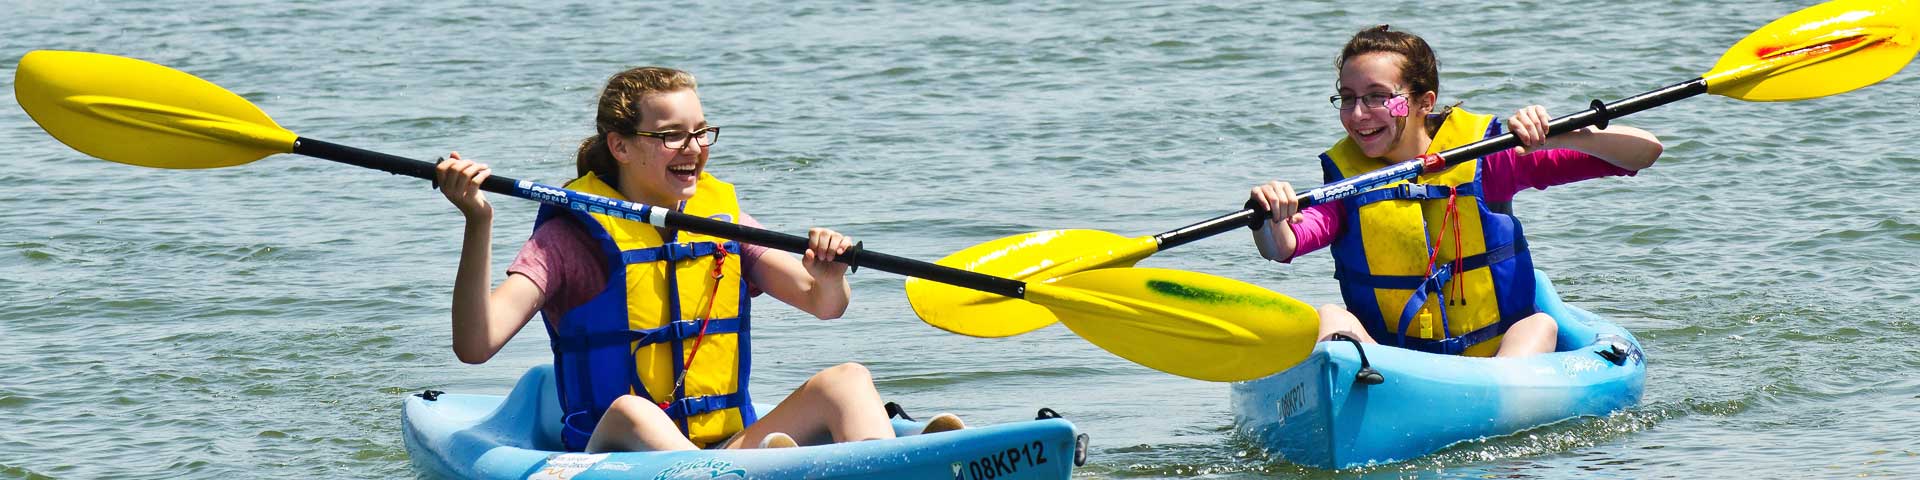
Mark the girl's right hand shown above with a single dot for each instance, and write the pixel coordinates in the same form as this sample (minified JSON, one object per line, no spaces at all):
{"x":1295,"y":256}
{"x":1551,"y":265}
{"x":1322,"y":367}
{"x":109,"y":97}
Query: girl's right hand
{"x":823,"y":245}
{"x":1529,"y":124}
{"x":460,"y":183}
{"x":1279,"y":200}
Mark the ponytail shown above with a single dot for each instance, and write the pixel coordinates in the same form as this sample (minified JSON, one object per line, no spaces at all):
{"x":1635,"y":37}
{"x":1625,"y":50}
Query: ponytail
{"x":596,"y":158}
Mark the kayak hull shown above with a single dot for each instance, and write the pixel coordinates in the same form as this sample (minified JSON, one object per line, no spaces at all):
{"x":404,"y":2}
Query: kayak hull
{"x":517,"y":436}
{"x":1316,"y":414}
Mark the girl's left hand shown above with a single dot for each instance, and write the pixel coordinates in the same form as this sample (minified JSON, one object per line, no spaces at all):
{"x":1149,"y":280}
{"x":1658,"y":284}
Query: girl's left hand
{"x":823,"y":245}
{"x":1530,"y":126}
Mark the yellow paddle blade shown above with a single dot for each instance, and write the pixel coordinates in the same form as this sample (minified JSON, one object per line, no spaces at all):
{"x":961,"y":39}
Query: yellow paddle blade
{"x":135,"y":112}
{"x":1031,"y":257}
{"x":1184,"y":323}
{"x":1826,"y":49}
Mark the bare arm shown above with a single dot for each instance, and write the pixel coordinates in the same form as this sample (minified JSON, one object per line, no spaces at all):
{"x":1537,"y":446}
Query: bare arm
{"x":1274,"y":240}
{"x":483,"y":320}
{"x":1626,"y":147}
{"x":814,"y":283}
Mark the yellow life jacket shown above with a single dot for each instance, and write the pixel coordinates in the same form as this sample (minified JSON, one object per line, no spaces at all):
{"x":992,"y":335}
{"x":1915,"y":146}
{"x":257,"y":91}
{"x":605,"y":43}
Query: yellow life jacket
{"x":1420,"y":274}
{"x":634,"y":337}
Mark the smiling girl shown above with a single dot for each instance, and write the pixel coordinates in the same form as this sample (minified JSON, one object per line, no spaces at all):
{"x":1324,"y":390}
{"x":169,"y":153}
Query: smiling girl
{"x":649,"y":326}
{"x":1439,"y":263}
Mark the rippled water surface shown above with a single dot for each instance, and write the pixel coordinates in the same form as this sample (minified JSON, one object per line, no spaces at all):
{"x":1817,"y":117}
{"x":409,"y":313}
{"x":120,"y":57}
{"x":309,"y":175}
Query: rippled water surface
{"x":265,"y":321}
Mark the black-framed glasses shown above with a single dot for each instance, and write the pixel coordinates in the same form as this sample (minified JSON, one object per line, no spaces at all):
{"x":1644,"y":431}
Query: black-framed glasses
{"x":677,"y":139}
{"x":1371,"y":100}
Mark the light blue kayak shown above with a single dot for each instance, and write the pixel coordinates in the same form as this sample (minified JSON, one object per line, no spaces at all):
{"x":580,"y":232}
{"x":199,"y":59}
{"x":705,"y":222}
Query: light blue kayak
{"x":1319,"y":414}
{"x":518,"y":437}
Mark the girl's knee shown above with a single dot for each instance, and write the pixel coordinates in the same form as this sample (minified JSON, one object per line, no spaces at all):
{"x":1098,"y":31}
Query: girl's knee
{"x":1336,"y":320}
{"x":628,"y":402}
{"x":1338,"y":316}
{"x":845,"y":373}
{"x":633,"y":423}
{"x":637,"y":410}
{"x":1542,"y":322}
{"x":840,"y":380}
{"x":1533,"y":335}
{"x":1336,"y":313}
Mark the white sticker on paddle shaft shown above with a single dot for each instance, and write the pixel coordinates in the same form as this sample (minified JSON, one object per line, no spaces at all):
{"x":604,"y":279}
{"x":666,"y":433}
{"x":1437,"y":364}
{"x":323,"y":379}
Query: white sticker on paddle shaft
{"x":564,"y":466}
{"x":655,"y":215}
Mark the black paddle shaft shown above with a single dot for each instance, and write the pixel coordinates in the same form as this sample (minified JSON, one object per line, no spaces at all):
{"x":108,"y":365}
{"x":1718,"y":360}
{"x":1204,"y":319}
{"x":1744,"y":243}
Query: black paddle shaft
{"x":1597,"y":114}
{"x":559,"y":197}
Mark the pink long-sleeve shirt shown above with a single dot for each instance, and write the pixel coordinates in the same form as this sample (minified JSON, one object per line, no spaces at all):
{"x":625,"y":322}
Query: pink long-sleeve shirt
{"x":1502,"y":175}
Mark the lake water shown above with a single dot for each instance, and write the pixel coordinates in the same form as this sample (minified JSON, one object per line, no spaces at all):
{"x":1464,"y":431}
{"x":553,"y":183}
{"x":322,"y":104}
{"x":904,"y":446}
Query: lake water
{"x":265,"y":321}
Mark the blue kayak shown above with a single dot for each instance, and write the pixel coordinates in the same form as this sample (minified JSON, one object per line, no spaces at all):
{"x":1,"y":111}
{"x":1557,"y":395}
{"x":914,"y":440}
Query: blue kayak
{"x":517,"y":437}
{"x":1322,"y":414}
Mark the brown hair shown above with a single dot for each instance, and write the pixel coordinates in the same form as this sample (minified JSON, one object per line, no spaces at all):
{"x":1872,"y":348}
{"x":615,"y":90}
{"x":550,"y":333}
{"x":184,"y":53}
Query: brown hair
{"x":620,"y":112}
{"x":1419,"y":68}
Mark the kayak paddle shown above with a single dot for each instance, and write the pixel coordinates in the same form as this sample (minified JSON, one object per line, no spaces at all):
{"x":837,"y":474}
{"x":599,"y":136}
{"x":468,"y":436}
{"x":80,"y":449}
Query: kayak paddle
{"x":1822,"y":50}
{"x":139,"y":113}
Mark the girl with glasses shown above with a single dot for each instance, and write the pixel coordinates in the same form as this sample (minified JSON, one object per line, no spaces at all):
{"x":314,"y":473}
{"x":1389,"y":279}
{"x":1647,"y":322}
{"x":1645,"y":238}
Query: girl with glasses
{"x":649,"y":327}
{"x":1437,"y":264}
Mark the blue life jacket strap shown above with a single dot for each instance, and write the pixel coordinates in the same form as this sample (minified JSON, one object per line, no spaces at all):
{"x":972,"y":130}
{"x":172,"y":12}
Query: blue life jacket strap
{"x":575,"y":430}
{"x":675,"y":252}
{"x":687,"y":407}
{"x":683,"y":329}
{"x":686,"y":329}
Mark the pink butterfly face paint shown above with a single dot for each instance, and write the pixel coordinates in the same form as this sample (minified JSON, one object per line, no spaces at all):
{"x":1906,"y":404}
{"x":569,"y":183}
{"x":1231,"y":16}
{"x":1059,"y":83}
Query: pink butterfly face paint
{"x":1397,"y":106}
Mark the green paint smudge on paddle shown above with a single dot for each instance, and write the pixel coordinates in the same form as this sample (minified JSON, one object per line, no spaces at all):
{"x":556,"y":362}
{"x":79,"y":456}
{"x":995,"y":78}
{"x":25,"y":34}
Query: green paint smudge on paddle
{"x":1217,"y":297}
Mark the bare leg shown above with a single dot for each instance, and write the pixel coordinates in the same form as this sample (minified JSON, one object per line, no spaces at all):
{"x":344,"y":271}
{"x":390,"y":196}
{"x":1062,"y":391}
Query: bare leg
{"x":1534,"y":335}
{"x":1336,"y":319}
{"x":634,"y":424}
{"x":838,"y":404}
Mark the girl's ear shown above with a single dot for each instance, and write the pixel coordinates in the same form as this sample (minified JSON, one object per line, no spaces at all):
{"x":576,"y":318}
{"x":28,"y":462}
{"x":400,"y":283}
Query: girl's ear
{"x":1426,"y":102}
{"x":618,"y":145}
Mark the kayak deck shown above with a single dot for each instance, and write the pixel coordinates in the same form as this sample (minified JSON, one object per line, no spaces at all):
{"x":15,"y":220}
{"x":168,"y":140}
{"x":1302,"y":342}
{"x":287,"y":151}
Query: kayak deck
{"x":1317,"y":414}
{"x":517,"y":436}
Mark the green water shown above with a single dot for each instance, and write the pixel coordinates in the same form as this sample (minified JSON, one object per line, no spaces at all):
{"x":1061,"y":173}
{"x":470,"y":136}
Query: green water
{"x":265,"y":321}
